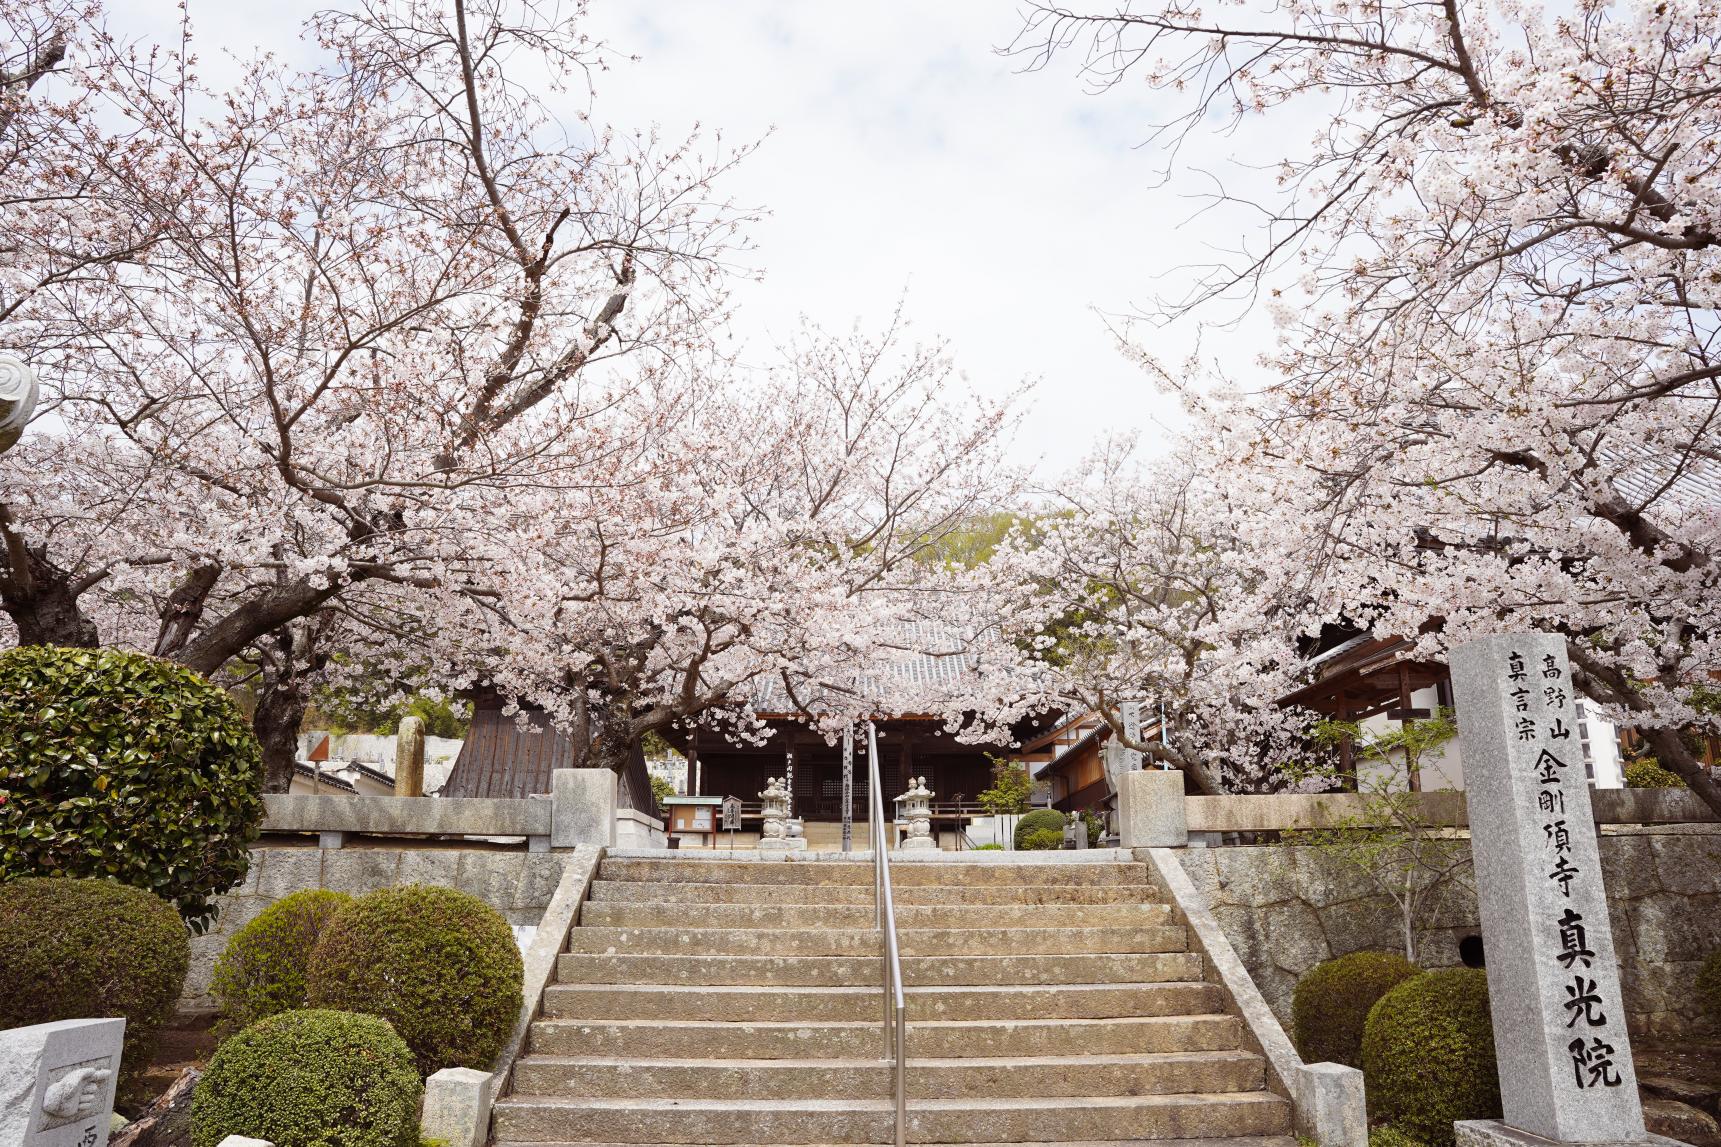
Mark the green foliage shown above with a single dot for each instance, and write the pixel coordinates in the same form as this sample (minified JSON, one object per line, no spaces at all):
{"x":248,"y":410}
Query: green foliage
{"x":71,"y":949}
{"x":988,"y":848}
{"x":355,"y":710}
{"x":115,"y":765}
{"x":661,"y":790}
{"x":1011,"y":788}
{"x":1405,"y":856}
{"x":1708,"y":988}
{"x":262,"y":970}
{"x":1428,"y":1055}
{"x":1039,"y":820}
{"x":1332,"y":1001}
{"x":438,"y":964}
{"x":1391,"y":1137}
{"x":311,"y":1079}
{"x":1647,"y":773}
{"x":1042,"y":840}
{"x":1096,"y":828}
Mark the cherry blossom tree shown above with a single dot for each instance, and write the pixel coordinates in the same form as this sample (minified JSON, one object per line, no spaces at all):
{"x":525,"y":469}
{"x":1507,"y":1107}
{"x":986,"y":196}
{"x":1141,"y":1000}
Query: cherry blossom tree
{"x":386,"y":298}
{"x":1495,"y":262}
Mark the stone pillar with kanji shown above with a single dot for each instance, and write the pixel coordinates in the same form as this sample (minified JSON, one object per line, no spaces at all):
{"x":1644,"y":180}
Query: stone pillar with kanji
{"x":1560,"y":1037}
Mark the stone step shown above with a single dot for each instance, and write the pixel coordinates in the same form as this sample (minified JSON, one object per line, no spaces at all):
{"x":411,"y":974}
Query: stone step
{"x":866,"y":942}
{"x":670,"y":914}
{"x":1162,"y":1073}
{"x":543,"y":1119}
{"x":1234,"y":1140}
{"x":860,"y":873}
{"x":718,"y":1039}
{"x":862,"y":971}
{"x":706,"y":893}
{"x":1001,"y":1002}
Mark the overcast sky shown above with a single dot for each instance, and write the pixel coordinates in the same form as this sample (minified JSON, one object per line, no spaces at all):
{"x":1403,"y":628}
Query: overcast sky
{"x":905,"y":155}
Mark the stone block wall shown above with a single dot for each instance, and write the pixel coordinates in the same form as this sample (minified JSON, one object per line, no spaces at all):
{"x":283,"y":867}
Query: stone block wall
{"x":1286,"y":908}
{"x":516,"y":883}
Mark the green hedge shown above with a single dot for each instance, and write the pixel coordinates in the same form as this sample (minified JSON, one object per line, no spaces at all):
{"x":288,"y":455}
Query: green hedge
{"x":310,"y":1079}
{"x":1332,"y":1001}
{"x":262,"y":969}
{"x":1709,"y":988}
{"x":1428,"y":1055}
{"x":116,"y":765}
{"x":71,"y":949}
{"x":1647,"y":773}
{"x":1039,"y":820}
{"x":438,"y":964}
{"x":1042,"y":840}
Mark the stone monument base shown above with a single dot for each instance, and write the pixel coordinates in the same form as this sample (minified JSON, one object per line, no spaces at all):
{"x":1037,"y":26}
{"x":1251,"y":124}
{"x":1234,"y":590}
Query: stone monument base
{"x":1493,"y":1133}
{"x":783,"y":844}
{"x":915,"y":842}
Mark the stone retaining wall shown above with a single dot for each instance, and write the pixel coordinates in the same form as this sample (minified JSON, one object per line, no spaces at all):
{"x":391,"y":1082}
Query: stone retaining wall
{"x":517,"y":883}
{"x":1286,"y":908}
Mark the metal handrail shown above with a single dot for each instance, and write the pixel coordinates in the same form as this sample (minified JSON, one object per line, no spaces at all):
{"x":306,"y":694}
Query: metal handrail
{"x":895,"y":1012}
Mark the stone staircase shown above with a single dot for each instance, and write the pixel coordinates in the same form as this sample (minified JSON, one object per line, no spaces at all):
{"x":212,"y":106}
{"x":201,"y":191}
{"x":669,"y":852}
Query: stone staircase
{"x":719,"y":1001}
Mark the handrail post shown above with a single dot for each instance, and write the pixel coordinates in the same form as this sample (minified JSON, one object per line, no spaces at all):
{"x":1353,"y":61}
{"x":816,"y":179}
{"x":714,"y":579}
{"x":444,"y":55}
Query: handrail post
{"x":895,"y":1010}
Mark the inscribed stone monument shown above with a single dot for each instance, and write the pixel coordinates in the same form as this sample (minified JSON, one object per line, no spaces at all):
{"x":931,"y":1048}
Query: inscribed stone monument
{"x":57,"y":1082}
{"x":1553,"y":985}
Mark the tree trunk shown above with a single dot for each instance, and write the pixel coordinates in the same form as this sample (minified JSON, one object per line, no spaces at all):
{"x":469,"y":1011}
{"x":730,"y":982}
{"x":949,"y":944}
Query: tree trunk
{"x":42,"y":599}
{"x":1674,"y":754}
{"x":612,"y":737}
{"x":281,"y":705}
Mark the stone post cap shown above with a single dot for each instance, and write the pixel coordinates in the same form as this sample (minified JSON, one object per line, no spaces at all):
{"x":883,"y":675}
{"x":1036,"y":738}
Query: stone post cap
{"x":245,"y":1141}
{"x":470,"y":1076}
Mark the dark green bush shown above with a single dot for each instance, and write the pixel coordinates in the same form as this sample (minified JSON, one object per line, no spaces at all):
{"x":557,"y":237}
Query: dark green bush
{"x":310,"y":1079}
{"x":262,"y":969}
{"x":1390,"y":1137}
{"x":988,"y":848}
{"x":120,"y":766}
{"x":1428,"y":1055}
{"x":438,"y":964}
{"x":1038,"y":821}
{"x":1709,"y":988}
{"x":1647,"y":773}
{"x":1332,"y":1000}
{"x":71,"y":949}
{"x":1042,"y":840}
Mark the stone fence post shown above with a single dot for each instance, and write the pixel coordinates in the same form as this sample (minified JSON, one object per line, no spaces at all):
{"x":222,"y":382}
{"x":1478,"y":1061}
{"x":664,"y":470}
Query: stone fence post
{"x":1150,"y":809}
{"x":585,"y":804}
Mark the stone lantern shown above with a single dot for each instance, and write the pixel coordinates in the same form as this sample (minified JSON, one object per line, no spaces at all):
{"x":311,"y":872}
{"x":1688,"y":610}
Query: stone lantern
{"x":17,"y":399}
{"x":916,"y":808}
{"x":778,"y":835}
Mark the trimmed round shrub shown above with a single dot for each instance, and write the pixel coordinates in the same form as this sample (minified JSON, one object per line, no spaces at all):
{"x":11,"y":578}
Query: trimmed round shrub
{"x":1428,"y":1055}
{"x":1332,"y":1000}
{"x":262,"y":969}
{"x":310,"y":1079}
{"x":1709,"y":988}
{"x":1042,"y":840}
{"x":1038,"y":821}
{"x":1390,"y":1137}
{"x":121,"y":766}
{"x":1647,"y":773}
{"x":988,"y":848}
{"x":439,"y":964}
{"x":71,"y":949}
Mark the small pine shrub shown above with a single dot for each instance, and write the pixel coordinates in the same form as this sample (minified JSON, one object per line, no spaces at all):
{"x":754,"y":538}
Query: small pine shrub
{"x":118,"y":766}
{"x":262,"y":970}
{"x":1043,"y":840}
{"x":1428,"y":1055}
{"x":1332,"y":1000}
{"x":1039,"y":820}
{"x":988,"y":848}
{"x":311,"y":1079}
{"x":1647,"y":773}
{"x":71,"y":949}
{"x":1708,"y":987}
{"x":438,"y":964}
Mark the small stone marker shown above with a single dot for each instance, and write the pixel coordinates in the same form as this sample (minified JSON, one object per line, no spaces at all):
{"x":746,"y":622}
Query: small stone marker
{"x":409,"y":758}
{"x":57,"y":1082}
{"x":1564,"y":1057}
{"x":457,"y":1106}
